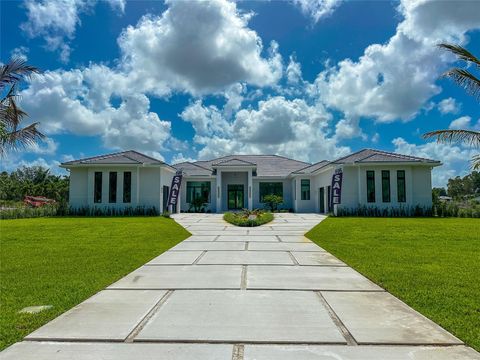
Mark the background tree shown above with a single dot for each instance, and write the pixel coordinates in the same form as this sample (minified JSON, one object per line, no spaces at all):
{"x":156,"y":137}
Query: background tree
{"x":12,"y":135}
{"x":35,"y":181}
{"x":471,"y":83}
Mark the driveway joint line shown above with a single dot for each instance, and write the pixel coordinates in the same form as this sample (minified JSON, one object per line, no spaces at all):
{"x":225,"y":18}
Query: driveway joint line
{"x":199,"y":257}
{"x":293,"y":258}
{"x":139,"y":327}
{"x":336,"y":320}
{"x":243,"y":280}
{"x":238,"y":352}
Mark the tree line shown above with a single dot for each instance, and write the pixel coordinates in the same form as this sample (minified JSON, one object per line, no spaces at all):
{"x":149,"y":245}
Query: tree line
{"x":33,"y":181}
{"x":461,"y":187}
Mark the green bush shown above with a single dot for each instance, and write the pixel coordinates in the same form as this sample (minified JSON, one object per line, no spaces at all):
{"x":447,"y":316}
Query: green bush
{"x":375,"y":211}
{"x":63,"y":210}
{"x":272,"y":201}
{"x":244,"y":218}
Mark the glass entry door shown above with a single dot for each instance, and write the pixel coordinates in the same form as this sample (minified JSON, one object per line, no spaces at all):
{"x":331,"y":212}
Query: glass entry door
{"x":235,"y":197}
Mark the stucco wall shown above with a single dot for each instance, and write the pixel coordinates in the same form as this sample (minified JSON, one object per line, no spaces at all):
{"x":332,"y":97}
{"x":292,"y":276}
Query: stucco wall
{"x":184,"y":206}
{"x":287,"y":193}
{"x":78,"y":189}
{"x":234,"y":178}
{"x":304,"y":206}
{"x":149,"y":191}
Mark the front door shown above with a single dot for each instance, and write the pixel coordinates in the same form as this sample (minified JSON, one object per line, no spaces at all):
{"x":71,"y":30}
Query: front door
{"x":322,"y":199}
{"x":235,"y":197}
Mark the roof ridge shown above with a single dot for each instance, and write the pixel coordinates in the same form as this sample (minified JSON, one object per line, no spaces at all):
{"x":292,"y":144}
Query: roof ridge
{"x":227,"y":160}
{"x":104,"y":156}
{"x":398,"y":155}
{"x":147,"y":156}
{"x":346,"y":156}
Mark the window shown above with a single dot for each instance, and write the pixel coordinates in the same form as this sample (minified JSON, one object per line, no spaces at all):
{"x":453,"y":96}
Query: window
{"x":370,"y":186}
{"x":401,"y":193}
{"x":305,"y":189}
{"x":112,"y":187}
{"x":97,"y":188}
{"x":385,"y":185}
{"x":127,"y":187}
{"x":267,"y":188}
{"x":197,"y":189}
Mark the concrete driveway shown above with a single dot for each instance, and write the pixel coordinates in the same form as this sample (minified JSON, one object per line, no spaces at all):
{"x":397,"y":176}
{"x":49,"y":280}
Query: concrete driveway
{"x":242,"y":293}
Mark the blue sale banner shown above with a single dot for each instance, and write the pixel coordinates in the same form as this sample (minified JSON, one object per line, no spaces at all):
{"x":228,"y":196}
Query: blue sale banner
{"x":337,"y":187}
{"x":175,"y":189}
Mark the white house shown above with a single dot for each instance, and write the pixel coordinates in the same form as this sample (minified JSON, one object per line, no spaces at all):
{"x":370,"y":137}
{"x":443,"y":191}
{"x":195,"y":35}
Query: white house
{"x":371,"y":178}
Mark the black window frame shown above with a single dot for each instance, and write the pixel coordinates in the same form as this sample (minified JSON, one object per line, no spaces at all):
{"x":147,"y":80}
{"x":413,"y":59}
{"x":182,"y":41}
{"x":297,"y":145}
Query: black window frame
{"x":304,"y":192}
{"x":270,"y":188}
{"x":97,"y":187}
{"x":370,"y":186}
{"x":401,"y":187}
{"x":127,"y":187}
{"x":386,"y":188}
{"x":112,"y":187}
{"x":203,"y":186}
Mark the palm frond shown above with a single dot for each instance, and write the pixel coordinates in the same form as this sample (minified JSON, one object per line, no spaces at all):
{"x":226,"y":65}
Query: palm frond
{"x":460,"y":52}
{"x":469,"y":137}
{"x":466,"y":80}
{"x":28,"y":135}
{"x":15,"y":71}
{"x":476,"y":162}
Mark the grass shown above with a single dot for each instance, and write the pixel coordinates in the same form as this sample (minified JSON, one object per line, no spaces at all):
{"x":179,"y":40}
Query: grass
{"x":431,"y":264}
{"x":63,"y":261}
{"x":242,"y":218}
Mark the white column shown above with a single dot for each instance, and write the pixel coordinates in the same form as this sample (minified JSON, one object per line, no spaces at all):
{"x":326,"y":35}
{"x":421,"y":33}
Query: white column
{"x":218,"y":191}
{"x":250,"y":190}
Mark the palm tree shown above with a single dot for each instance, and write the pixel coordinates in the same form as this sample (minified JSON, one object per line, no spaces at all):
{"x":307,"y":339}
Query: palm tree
{"x":12,"y":135}
{"x":471,"y":83}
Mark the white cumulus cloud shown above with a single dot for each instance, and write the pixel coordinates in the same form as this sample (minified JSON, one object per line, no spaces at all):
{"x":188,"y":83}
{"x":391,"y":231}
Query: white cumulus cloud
{"x":449,"y":106}
{"x":198,"y":47}
{"x":317,"y":9}
{"x":394,"y":80}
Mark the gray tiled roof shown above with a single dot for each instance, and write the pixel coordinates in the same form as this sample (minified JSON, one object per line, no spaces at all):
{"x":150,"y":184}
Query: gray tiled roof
{"x":310,"y":169}
{"x":233,"y":162}
{"x":267,"y":165}
{"x":371,"y":156}
{"x":192,"y":169}
{"x":129,"y":157}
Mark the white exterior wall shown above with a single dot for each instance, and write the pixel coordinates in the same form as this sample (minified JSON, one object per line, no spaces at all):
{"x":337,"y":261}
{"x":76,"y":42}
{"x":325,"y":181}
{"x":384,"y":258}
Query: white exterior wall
{"x":287,"y":193}
{"x":149,"y":187}
{"x":212,"y":206}
{"x":418,"y":186}
{"x":105,"y":186}
{"x":234,"y":178}
{"x":422,"y":185}
{"x":150,"y":181}
{"x":78,"y":189}
{"x":304,"y":206}
{"x":324,"y":180}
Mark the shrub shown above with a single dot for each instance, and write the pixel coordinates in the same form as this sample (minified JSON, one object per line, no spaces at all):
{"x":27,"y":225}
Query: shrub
{"x":375,"y":211}
{"x":272,"y":201}
{"x":198,"y":205}
{"x":248,"y":218}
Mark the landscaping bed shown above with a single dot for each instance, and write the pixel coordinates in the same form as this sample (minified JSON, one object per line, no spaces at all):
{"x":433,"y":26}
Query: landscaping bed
{"x":248,"y":218}
{"x":429,"y":263}
{"x":63,"y":261}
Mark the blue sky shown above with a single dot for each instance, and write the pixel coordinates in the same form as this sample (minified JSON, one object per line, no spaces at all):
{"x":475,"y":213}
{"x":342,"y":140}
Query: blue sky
{"x":184,"y":80}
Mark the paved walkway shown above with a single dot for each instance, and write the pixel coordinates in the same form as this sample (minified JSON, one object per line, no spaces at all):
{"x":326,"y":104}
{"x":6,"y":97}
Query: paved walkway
{"x":230,"y":293}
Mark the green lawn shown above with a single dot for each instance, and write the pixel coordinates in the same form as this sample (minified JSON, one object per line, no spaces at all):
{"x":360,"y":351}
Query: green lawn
{"x":431,"y":264}
{"x":63,"y":261}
